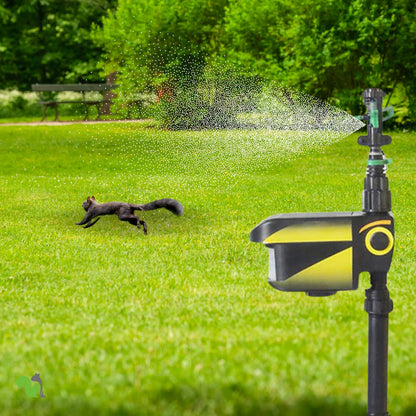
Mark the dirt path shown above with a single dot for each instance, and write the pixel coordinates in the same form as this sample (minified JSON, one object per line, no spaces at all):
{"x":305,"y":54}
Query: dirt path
{"x":67,"y":123}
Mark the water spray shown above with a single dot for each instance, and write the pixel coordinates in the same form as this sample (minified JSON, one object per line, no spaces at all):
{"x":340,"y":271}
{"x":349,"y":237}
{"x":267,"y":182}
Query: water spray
{"x":323,"y":253}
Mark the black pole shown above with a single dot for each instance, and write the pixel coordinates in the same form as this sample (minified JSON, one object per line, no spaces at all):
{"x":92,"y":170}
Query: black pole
{"x":378,"y":305}
{"x":376,"y":198}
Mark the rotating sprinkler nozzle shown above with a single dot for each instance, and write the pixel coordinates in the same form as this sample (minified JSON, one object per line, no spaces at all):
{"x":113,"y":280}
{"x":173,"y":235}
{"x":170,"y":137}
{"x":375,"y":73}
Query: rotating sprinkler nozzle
{"x":376,"y":196}
{"x":322,"y":253}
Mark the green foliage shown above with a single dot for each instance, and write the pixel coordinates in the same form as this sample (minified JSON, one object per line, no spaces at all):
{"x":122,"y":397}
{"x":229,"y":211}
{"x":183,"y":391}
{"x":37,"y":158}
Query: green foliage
{"x":254,"y":34}
{"x":213,"y":101}
{"x":151,"y":41}
{"x":48,"y":41}
{"x":334,"y":49}
{"x":15,"y":103}
{"x":331,"y":49}
{"x":359,"y":43}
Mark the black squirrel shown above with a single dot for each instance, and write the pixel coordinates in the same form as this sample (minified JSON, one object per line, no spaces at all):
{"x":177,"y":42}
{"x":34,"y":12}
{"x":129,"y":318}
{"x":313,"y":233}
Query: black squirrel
{"x":125,"y":211}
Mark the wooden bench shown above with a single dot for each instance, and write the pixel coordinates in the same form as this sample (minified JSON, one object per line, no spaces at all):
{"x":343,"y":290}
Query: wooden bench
{"x":41,"y":89}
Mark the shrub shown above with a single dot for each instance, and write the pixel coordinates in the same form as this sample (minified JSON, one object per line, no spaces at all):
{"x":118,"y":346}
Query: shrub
{"x":211,"y":101}
{"x":14,"y":103}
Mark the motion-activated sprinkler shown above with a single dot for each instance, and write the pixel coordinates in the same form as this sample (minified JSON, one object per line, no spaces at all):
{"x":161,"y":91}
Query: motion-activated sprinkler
{"x":322,"y":253}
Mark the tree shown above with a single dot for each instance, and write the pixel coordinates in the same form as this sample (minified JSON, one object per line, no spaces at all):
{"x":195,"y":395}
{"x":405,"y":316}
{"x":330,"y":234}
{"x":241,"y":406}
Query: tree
{"x":148,"y":41}
{"x":48,"y":41}
{"x":333,"y":49}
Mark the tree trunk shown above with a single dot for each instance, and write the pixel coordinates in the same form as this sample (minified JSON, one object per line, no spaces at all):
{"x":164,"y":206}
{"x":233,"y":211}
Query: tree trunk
{"x":109,"y":95}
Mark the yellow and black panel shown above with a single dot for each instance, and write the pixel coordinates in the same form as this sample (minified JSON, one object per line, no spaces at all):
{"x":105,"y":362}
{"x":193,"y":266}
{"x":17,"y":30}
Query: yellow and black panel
{"x":312,"y":254}
{"x":325,"y":252}
{"x":313,"y":230}
{"x":330,"y":274}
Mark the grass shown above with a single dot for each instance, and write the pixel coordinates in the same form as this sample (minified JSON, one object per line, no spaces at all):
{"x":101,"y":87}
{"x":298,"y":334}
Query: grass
{"x":182,"y":321}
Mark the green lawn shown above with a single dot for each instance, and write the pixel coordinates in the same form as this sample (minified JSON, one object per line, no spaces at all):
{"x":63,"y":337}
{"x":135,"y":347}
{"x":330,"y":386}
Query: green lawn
{"x":182,"y":321}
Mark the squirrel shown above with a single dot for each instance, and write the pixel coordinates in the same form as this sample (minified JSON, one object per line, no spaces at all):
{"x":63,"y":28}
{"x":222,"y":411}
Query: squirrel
{"x":125,"y":211}
{"x":31,"y":391}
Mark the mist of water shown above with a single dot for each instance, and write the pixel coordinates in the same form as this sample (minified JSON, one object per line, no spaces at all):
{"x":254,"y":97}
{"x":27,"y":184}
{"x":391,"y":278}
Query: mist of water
{"x":234,"y":123}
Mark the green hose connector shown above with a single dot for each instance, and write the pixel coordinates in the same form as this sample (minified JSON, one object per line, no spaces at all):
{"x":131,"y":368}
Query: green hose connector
{"x":374,"y":119}
{"x":378,"y":162}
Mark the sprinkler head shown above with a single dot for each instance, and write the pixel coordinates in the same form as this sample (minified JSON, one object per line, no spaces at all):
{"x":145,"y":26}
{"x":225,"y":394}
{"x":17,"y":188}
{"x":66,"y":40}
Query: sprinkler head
{"x":376,"y":196}
{"x":373,"y":100}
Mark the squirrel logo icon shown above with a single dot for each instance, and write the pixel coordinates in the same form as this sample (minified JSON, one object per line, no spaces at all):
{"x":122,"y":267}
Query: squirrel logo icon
{"x":31,"y":391}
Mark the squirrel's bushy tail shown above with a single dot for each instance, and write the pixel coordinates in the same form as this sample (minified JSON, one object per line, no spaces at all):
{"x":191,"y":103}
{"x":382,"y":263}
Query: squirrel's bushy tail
{"x":170,"y":204}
